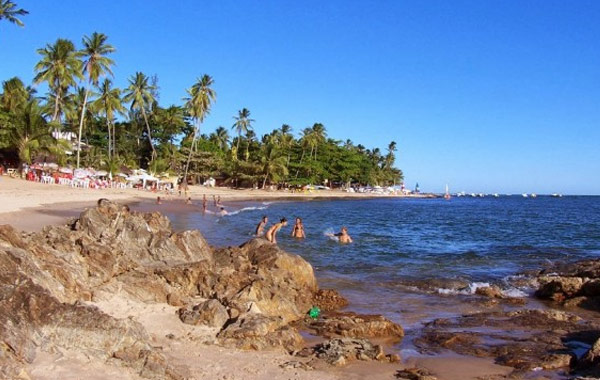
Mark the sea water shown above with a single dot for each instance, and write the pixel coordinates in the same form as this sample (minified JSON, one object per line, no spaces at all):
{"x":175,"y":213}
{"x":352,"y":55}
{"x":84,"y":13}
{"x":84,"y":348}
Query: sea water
{"x":412,"y":259}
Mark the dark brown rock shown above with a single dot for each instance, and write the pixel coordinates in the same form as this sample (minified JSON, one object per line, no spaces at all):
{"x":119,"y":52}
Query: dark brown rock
{"x":414,"y":374}
{"x":329,"y":300}
{"x":349,"y":324}
{"x":339,"y":352}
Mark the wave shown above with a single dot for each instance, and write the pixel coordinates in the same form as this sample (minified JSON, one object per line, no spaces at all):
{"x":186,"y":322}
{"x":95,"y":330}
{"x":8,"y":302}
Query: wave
{"x":329,"y":233}
{"x":471,"y":289}
{"x":252,"y":208}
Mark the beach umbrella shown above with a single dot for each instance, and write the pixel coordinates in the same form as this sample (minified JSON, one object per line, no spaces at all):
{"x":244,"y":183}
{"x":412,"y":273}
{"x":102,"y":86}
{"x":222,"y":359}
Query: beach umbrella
{"x":101,"y":173}
{"x":66,"y":170}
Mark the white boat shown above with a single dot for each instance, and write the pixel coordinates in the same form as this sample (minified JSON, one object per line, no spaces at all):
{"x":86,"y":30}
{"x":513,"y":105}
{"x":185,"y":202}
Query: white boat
{"x":556,"y":195}
{"x":496,"y":195}
{"x":533,"y":195}
{"x":525,"y":195}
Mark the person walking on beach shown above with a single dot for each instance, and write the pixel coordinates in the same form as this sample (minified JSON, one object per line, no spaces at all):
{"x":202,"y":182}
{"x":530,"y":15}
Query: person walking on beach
{"x":342,"y":236}
{"x":261,"y":226}
{"x":271,"y":234}
{"x":298,"y":230}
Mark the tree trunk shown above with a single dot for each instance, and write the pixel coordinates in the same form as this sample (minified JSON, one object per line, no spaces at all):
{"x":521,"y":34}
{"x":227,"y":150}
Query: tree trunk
{"x":187,"y":164}
{"x":265,"y":180}
{"x":109,"y":139}
{"x":87,"y":90}
{"x":56,"y":101}
{"x":301,"y":158}
{"x":149,"y":133}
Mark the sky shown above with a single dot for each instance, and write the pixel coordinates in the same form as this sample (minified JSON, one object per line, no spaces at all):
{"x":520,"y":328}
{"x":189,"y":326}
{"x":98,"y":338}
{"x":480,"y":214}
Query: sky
{"x":485,"y":96}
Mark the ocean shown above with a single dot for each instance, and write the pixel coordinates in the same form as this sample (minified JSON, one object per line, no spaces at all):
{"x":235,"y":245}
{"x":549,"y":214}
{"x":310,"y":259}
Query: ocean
{"x":414,"y":260}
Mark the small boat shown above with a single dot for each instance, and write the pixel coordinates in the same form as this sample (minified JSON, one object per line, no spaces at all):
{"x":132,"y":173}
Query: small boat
{"x":447,"y":195}
{"x":556,"y":195}
{"x":496,"y":195}
{"x":533,"y":195}
{"x":525,"y":195}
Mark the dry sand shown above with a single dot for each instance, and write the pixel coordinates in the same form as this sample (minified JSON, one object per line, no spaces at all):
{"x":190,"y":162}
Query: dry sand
{"x":30,"y":206}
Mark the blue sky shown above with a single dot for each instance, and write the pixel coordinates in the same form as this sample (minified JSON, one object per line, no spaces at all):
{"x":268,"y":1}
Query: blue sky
{"x":487,"y":96}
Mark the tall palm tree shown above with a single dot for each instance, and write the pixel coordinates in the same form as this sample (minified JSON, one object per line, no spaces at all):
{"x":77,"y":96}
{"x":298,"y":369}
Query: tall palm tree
{"x":286,"y":141}
{"x":242,"y":124}
{"x":140,"y":93}
{"x":59,"y":67}
{"x":198,"y":103}
{"x":272,"y":163}
{"x":95,"y":65}
{"x":109,"y":103}
{"x":318,"y":136}
{"x":14,"y":94}
{"x":9,"y":11}
{"x":390,"y":157}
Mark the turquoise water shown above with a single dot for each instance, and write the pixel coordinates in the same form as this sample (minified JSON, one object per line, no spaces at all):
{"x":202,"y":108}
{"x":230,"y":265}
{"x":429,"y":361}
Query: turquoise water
{"x":402,"y":245}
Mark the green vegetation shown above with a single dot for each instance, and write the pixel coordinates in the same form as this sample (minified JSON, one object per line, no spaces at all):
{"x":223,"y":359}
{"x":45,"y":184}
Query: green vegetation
{"x":128,"y":127}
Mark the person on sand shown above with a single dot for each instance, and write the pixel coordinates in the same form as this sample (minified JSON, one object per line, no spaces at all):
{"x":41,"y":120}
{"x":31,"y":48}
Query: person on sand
{"x":261,"y":226}
{"x":158,"y":202}
{"x":298,"y":230}
{"x":343,"y":236}
{"x":271,"y":234}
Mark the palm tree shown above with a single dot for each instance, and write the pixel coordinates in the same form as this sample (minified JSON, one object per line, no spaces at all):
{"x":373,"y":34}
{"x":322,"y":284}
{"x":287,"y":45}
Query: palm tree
{"x":109,"y":103}
{"x":390,"y":157}
{"x":141,"y":95}
{"x":14,"y":94}
{"x":221,"y":138}
{"x":286,"y":141}
{"x":201,"y":96}
{"x":9,"y":11}
{"x":95,"y":65}
{"x":272,"y":163}
{"x":59,"y":67}
{"x":319,"y":135}
{"x":242,"y":124}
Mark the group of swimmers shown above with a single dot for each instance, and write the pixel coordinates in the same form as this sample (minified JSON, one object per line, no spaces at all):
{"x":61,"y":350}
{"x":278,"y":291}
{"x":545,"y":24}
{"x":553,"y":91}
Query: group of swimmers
{"x":297,"y":232}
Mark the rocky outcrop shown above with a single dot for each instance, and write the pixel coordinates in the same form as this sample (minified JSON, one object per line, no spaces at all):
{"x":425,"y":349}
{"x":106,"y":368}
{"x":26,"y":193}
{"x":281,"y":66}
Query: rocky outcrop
{"x":252,"y":292}
{"x":340,"y":351}
{"x":576,"y":284}
{"x":348,"y":324}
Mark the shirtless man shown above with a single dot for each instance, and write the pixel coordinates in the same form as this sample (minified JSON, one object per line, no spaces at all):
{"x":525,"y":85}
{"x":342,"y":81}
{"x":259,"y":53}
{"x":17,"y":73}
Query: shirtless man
{"x":204,"y":203}
{"x":343,"y":236}
{"x":271,"y":234}
{"x":261,"y":226}
{"x":298,"y":230}
{"x":223,"y":212}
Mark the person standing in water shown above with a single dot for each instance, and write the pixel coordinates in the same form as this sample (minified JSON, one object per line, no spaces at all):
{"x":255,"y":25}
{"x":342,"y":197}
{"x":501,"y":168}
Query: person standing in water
{"x":261,"y":226}
{"x":298,"y":230}
{"x":204,"y":203}
{"x":342,"y":236}
{"x":223,"y":212}
{"x":271,"y":234}
{"x":215,"y":200}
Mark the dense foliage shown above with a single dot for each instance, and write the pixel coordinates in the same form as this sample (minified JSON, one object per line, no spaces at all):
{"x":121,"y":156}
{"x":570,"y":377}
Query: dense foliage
{"x":113,"y":127}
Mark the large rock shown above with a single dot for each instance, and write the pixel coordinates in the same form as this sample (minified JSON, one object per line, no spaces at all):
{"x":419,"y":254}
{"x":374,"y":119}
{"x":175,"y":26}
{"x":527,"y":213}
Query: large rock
{"x":255,"y":290}
{"x":339,"y":352}
{"x":352,"y":325}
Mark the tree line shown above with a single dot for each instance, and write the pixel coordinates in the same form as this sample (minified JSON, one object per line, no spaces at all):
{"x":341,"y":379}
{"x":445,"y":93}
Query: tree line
{"x":118,"y":127}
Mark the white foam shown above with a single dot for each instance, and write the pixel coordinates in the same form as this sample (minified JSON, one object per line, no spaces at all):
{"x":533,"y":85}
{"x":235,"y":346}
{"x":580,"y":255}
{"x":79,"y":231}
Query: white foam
{"x":246,"y":209}
{"x":514,"y":293}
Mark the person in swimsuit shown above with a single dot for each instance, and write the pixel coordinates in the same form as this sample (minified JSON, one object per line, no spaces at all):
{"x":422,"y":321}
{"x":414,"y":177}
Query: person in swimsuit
{"x":158,"y":201}
{"x":271,"y":234}
{"x":298,"y":230}
{"x":223,"y":212}
{"x":261,"y":226}
{"x":204,"y":203}
{"x":342,"y":236}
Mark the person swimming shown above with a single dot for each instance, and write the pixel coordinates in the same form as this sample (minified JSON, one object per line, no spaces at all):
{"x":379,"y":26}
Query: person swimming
{"x":188,"y":201}
{"x":222,"y":211}
{"x":261,"y":226}
{"x":271,"y":234}
{"x":298,"y":230}
{"x":342,"y":236}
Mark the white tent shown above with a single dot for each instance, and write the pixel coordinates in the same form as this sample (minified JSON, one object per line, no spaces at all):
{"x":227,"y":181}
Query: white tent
{"x":144,"y":178}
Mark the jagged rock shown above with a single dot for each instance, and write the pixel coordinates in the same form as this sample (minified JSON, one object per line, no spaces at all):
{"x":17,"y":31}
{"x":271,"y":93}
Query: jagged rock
{"x":211,"y":313}
{"x":414,"y":374}
{"x":340,"y":351}
{"x":329,"y":300}
{"x":348,"y":324}
{"x":559,"y":288}
{"x":489,"y":291}
{"x":591,"y":357}
{"x":111,"y":249}
{"x":257,"y":331}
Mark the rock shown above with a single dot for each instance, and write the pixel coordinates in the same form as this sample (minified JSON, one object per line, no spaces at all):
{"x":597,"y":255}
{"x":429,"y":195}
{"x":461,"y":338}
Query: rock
{"x":591,"y":357}
{"x":574,"y":284}
{"x":490,"y":291}
{"x":348,"y":324}
{"x":339,"y":352}
{"x":329,"y":300}
{"x":295,"y":364}
{"x":414,"y":374}
{"x":556,"y":361}
{"x":257,"y":332}
{"x":210,"y":313}
{"x":558,"y":288}
{"x":255,"y":290}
